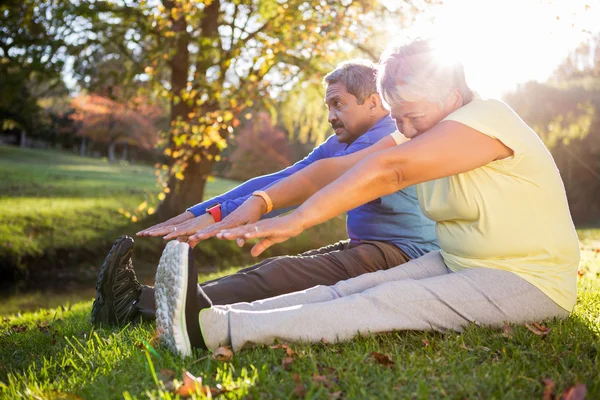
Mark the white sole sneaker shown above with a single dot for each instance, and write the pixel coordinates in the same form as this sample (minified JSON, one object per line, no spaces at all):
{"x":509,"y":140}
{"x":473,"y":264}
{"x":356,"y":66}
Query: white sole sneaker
{"x":171,"y":295}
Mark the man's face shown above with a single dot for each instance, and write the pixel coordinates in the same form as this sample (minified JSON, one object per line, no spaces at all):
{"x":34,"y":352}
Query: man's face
{"x":348,"y":119}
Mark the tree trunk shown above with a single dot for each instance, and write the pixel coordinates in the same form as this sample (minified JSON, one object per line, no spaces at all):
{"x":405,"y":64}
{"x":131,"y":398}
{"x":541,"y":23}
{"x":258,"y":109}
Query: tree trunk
{"x":189,"y":191}
{"x":83,"y":148}
{"x":111,"y":152}
{"x":124,"y":157}
{"x":23,"y":142}
{"x":185,"y":193}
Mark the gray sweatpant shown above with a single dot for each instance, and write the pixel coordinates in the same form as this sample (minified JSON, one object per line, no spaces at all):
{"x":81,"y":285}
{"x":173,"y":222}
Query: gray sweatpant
{"x":422,"y":294}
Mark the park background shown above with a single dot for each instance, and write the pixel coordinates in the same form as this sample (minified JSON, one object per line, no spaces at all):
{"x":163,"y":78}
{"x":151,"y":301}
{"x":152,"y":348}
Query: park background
{"x":115,"y":115}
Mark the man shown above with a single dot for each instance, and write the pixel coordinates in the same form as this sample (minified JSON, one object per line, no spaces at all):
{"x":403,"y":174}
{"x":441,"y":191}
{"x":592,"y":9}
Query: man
{"x":383,"y":234}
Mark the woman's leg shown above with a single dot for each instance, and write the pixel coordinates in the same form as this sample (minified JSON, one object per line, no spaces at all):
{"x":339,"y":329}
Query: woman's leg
{"x":481,"y":296}
{"x":429,"y":265}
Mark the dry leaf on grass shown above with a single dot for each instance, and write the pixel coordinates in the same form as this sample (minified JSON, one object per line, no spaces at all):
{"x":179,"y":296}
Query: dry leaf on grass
{"x":286,"y":362}
{"x":577,"y":392}
{"x":299,"y":390}
{"x":538,"y":329}
{"x":548,"y":389}
{"x":425,"y":342}
{"x":383,"y":359}
{"x":223,"y":353}
{"x":287,"y":348}
{"x":507,"y":331}
{"x":335,"y":395}
{"x":191,"y":384}
{"x":324,"y":341}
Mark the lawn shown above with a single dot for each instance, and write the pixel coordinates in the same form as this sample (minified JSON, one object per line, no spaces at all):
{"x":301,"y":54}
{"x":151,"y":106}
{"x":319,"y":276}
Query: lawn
{"x":60,"y":214}
{"x":56,"y":353}
{"x":57,"y":208}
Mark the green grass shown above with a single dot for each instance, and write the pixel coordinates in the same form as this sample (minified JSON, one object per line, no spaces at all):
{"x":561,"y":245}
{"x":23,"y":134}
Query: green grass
{"x":56,"y":353}
{"x":60,"y":212}
{"x":54,"y":204}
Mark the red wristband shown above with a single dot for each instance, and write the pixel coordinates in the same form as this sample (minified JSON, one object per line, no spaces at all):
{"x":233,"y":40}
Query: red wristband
{"x":215,"y":211}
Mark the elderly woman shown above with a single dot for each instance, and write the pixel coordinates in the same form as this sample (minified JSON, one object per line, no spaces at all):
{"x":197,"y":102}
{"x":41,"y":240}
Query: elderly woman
{"x":509,"y":251}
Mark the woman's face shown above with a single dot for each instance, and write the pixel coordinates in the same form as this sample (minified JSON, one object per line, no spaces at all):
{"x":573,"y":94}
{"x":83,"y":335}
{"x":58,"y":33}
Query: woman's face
{"x":415,"y":117}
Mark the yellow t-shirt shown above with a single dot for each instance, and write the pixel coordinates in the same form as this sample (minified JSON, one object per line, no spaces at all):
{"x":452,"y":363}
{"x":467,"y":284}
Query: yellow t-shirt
{"x":510,"y":214}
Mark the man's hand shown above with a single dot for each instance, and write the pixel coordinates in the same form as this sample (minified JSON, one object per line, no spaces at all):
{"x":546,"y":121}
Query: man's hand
{"x":272,"y":231}
{"x":166,"y":227}
{"x":250,"y":211}
{"x":182,"y":231}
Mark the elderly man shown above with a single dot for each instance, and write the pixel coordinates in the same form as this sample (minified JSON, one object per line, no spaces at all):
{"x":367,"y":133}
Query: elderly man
{"x":382,"y":234}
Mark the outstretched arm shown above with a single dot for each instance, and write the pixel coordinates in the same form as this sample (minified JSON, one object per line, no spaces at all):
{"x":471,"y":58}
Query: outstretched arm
{"x":447,"y":149}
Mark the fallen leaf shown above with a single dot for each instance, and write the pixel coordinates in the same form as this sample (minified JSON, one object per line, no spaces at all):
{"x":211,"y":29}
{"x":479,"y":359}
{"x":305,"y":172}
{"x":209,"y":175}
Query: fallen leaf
{"x":548,"y":389}
{"x":335,"y":395}
{"x":576,"y":392}
{"x":507,"y":331}
{"x":324,"y":341}
{"x":539,"y":330}
{"x":299,"y":390}
{"x":286,"y":362}
{"x":19,"y":328}
{"x":425,"y":342}
{"x":167,"y":373}
{"x":223,"y":353}
{"x":383,"y":359}
{"x":580,"y":272}
{"x":287,"y":348}
{"x":191,"y":384}
{"x":320,"y":380}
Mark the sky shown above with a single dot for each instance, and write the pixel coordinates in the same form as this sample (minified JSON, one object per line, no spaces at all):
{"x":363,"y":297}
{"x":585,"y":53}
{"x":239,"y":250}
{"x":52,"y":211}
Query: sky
{"x":503,"y":43}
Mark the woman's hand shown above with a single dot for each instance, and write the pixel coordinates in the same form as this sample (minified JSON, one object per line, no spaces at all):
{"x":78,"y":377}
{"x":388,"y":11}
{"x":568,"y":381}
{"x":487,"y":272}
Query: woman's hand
{"x":272,"y":230}
{"x":166,"y":227}
{"x":250,"y":211}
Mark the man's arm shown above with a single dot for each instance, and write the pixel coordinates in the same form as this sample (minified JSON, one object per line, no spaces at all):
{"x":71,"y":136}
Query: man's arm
{"x":196,"y":218}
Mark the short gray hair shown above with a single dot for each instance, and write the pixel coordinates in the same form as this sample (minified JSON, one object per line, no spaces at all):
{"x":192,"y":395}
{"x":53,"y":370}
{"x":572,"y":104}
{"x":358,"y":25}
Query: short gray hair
{"x":359,"y":76}
{"x":413,"y":72}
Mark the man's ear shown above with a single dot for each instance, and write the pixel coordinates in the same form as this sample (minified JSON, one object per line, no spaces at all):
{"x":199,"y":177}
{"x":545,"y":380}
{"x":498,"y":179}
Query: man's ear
{"x":373,"y":101}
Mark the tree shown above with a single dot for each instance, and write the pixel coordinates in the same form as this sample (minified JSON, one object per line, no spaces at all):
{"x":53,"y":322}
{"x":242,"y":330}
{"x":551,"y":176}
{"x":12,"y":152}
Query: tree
{"x":262,"y":148}
{"x":101,"y":119}
{"x":565,"y":112}
{"x":211,"y":59}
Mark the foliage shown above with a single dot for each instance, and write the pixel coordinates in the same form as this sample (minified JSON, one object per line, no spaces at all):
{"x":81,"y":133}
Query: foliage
{"x":104,"y":120}
{"x":212,"y":59}
{"x":565,"y":112}
{"x":57,"y":353}
{"x":261,"y":148}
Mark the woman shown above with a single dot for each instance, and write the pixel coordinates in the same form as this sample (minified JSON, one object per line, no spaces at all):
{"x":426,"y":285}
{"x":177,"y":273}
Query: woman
{"x":509,"y":251}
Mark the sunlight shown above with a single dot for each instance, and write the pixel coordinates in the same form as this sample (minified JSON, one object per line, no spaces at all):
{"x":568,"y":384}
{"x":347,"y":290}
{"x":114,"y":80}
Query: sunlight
{"x":504,"y":43}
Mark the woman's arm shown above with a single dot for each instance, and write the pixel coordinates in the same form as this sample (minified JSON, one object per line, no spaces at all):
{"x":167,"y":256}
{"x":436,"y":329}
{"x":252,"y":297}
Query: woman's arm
{"x":447,"y":149}
{"x":296,"y":188}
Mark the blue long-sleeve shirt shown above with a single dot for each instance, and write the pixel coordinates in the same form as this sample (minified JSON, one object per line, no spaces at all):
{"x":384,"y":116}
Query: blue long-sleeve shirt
{"x":395,"y":218}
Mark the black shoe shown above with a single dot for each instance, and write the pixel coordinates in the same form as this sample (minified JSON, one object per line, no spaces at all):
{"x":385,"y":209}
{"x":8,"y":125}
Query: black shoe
{"x":117,"y":288}
{"x":177,"y":305}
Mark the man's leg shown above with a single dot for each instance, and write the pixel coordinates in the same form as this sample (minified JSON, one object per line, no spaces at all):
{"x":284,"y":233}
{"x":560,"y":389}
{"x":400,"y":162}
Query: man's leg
{"x":482,"y":296}
{"x":147,"y":302}
{"x":294,"y":273}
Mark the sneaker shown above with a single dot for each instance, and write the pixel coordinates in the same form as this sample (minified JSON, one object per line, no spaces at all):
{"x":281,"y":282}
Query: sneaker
{"x":177,"y":306}
{"x":117,"y":288}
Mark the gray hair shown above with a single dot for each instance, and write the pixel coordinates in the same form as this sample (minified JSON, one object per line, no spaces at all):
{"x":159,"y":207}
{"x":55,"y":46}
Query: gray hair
{"x":413,"y":72}
{"x":358,"y":76}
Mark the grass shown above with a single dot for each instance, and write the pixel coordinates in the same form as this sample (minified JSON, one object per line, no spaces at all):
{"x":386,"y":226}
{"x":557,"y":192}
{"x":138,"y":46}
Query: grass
{"x":56,"y":353}
{"x":60,"y":213}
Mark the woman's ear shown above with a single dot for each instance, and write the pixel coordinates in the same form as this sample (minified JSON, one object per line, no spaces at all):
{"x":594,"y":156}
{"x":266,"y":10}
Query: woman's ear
{"x":455,"y":100}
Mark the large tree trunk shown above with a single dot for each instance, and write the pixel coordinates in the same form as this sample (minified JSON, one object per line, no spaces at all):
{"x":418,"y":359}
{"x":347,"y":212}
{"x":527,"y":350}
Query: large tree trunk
{"x":189,"y":191}
{"x":23,"y":140}
{"x":124,"y":157}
